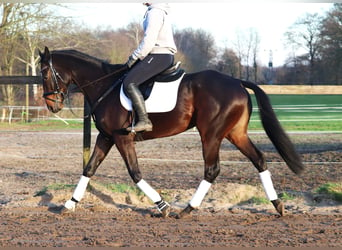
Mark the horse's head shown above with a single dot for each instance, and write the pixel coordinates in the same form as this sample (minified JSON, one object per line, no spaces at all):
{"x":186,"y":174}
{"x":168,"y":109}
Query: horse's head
{"x":55,"y":87}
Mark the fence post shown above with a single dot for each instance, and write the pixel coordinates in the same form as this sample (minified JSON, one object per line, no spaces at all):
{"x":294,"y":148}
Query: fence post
{"x":86,"y":133}
{"x":27,"y":101}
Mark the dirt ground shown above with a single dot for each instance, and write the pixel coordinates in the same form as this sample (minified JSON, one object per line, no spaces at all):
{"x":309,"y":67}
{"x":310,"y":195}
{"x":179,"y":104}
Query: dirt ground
{"x":32,"y":163}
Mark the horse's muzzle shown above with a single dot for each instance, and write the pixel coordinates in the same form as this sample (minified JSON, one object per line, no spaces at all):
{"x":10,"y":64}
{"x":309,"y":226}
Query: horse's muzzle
{"x":54,"y":108}
{"x":53,"y":104}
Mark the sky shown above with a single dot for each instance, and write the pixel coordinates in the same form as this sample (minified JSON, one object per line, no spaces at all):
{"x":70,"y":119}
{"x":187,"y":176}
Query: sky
{"x":223,"y":20}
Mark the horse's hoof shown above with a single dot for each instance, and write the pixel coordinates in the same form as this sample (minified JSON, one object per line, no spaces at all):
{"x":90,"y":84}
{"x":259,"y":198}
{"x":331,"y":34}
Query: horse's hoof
{"x":164,"y":208}
{"x":60,"y":210}
{"x":166,"y":211}
{"x":185,"y":212}
{"x":56,"y":209}
{"x":279,"y":206}
{"x":65,"y":211}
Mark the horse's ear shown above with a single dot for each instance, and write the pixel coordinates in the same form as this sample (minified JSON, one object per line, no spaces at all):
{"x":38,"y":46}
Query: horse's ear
{"x":46,"y":50}
{"x":40,"y":53}
{"x":47,"y":54}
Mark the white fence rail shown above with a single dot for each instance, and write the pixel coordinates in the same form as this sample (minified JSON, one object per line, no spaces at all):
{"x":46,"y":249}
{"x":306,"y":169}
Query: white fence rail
{"x":38,"y":113}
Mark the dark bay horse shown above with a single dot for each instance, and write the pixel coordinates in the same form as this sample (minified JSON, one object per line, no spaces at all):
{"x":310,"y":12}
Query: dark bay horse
{"x":218,"y":105}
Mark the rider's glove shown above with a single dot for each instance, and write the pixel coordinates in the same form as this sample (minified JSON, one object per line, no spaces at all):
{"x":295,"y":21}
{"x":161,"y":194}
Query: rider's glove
{"x":131,"y":61}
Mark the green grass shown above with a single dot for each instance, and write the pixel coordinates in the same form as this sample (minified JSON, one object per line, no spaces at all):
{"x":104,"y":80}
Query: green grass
{"x":55,"y":186}
{"x":258,"y":200}
{"x":115,"y":188}
{"x":303,"y":112}
{"x":302,"y":126}
{"x":46,"y":125}
{"x":285,"y":196}
{"x":334,"y":190}
{"x":61,"y":186}
{"x":122,"y":188}
{"x":304,"y":99}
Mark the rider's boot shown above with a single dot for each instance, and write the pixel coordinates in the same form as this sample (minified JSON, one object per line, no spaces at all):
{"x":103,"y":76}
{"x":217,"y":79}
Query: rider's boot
{"x":138,"y":103}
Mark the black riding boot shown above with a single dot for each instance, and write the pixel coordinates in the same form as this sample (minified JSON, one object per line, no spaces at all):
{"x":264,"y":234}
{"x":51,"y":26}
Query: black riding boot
{"x":138,"y":103}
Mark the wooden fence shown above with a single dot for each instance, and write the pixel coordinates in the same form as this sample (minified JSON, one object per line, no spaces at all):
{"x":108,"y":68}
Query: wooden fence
{"x":302,"y":89}
{"x":27,"y":80}
{"x":20,"y":80}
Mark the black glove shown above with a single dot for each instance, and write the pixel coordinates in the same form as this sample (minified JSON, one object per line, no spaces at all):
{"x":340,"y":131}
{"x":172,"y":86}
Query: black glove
{"x":131,"y":61}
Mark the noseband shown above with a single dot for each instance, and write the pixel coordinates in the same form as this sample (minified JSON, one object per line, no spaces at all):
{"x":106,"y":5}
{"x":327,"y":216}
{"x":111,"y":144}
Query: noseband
{"x":55,"y":77}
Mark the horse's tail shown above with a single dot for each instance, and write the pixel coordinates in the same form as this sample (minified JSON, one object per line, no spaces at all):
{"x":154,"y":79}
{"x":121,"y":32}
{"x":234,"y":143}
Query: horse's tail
{"x":274,"y":130}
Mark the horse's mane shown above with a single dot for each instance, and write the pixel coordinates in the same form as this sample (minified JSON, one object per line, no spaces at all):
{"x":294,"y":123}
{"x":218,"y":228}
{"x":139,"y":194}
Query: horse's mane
{"x":80,"y":55}
{"x":105,"y":65}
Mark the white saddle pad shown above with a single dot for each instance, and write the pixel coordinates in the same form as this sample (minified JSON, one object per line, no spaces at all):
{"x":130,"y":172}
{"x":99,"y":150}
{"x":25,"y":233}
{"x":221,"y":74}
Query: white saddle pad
{"x":163,"y":97}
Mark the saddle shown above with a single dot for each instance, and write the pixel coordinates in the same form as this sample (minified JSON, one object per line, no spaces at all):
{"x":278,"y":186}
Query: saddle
{"x":171,"y":74}
{"x":160,"y":92}
{"x":164,"y":96}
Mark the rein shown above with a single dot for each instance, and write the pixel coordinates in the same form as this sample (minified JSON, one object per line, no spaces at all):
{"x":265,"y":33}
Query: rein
{"x":104,"y":77}
{"x":108,"y":91}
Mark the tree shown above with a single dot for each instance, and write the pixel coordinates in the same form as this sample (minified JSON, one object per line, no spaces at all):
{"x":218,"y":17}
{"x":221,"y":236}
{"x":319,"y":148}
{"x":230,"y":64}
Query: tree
{"x":10,"y":27}
{"x":135,"y":32}
{"x":23,"y":26}
{"x":305,"y":34}
{"x":229,"y":63}
{"x":254,"y":42}
{"x":246,"y":47}
{"x":198,"y":46}
{"x":331,"y":51}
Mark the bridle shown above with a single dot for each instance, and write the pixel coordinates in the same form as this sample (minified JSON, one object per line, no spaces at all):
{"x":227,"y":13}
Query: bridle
{"x":57,"y":90}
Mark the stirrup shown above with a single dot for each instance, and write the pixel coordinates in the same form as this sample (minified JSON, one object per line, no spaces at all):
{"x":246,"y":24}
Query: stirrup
{"x":146,"y":127}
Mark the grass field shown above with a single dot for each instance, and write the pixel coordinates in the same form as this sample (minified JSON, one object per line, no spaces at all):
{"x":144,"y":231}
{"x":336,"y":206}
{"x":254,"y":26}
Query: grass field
{"x":304,"y":112}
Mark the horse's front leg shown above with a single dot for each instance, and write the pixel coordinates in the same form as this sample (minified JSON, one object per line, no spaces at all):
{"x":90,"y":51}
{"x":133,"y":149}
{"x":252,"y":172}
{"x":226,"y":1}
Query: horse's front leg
{"x":211,"y":171}
{"x":125,"y":145}
{"x":101,"y":149}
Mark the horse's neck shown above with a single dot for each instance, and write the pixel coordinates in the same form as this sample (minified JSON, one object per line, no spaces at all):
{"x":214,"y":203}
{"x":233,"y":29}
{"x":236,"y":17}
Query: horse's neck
{"x":95,"y":86}
{"x":93,"y":78}
{"x":109,"y":68}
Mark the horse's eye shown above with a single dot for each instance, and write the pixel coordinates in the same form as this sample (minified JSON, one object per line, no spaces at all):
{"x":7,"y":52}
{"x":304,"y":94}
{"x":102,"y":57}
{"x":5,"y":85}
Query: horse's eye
{"x":44,"y":77}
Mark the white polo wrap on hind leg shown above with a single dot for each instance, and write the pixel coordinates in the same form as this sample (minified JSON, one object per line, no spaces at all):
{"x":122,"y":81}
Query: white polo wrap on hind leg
{"x":149,"y":191}
{"x":78,"y":193}
{"x":268,"y":185}
{"x":200,"y":193}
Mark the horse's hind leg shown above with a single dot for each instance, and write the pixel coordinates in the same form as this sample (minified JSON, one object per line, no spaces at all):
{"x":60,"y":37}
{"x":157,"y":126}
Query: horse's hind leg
{"x":101,"y":149}
{"x":241,"y":140}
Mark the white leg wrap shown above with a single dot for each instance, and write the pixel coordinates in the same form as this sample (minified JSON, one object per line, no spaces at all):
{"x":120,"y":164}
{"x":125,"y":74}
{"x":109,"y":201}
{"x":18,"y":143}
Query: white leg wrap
{"x":149,"y":191}
{"x":81,"y":188}
{"x":200,"y":193}
{"x":268,"y":185}
{"x":71,"y":205}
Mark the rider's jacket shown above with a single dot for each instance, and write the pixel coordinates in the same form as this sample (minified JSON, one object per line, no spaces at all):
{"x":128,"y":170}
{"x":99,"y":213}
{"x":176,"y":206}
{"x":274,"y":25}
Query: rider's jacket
{"x":158,"y":35}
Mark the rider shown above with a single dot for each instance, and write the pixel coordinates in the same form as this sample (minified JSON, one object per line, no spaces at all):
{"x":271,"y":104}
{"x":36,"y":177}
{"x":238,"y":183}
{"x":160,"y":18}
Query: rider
{"x":154,"y":54}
